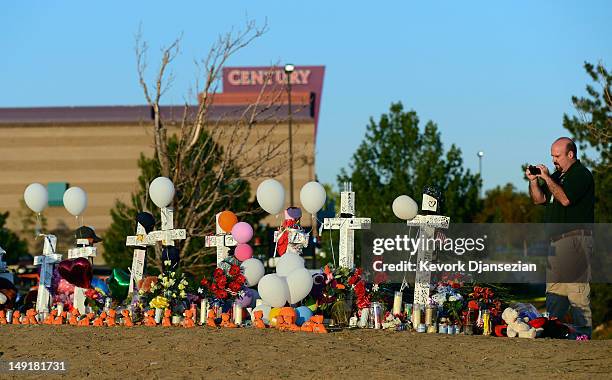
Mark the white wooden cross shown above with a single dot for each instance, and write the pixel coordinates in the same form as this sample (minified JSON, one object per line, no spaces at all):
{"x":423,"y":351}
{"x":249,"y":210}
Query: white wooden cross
{"x":166,"y":236}
{"x":46,"y":261}
{"x":427,"y":227}
{"x":222,"y":240}
{"x":140,"y":243}
{"x":74,"y":253}
{"x":4,"y":273}
{"x":298,"y":240}
{"x":347,"y":223}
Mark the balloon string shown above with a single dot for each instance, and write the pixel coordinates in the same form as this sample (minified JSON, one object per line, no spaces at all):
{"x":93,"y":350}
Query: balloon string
{"x":38,"y":228}
{"x":404,"y":283}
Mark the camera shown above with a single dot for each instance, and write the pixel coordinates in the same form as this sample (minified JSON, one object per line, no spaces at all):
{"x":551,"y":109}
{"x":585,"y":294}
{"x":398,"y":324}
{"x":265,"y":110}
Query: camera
{"x":534,"y":170}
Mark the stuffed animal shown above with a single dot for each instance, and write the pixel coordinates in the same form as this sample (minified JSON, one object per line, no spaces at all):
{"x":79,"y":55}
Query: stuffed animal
{"x":150,"y":318}
{"x":99,"y":322}
{"x":188,"y":321}
{"x":74,"y":317}
{"x":127,"y":320}
{"x":318,"y":326}
{"x":226,"y":322}
{"x":112,"y":315}
{"x":2,"y":318}
{"x":31,"y":317}
{"x":16,"y":317}
{"x":517,"y":326}
{"x":60,"y":319}
{"x":210,"y":320}
{"x":166,"y":321}
{"x":49,"y":320}
{"x":258,"y":322}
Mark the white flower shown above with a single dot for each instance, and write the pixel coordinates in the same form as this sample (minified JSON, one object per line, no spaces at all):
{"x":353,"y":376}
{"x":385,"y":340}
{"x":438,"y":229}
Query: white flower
{"x":452,"y":298}
{"x":168,"y":262}
{"x":200,"y":290}
{"x":375,"y":288}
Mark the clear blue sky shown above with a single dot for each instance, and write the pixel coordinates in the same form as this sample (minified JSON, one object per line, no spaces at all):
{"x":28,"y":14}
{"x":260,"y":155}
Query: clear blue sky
{"x":496,"y":76}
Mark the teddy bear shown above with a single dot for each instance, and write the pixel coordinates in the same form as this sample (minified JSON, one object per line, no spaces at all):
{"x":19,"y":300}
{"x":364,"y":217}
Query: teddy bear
{"x":188,"y":321}
{"x":517,"y":326}
{"x":166,"y":322}
{"x":127,"y":319}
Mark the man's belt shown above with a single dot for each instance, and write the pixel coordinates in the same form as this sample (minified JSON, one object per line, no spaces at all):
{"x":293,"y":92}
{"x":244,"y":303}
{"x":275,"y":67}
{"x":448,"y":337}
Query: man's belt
{"x":571,"y":234}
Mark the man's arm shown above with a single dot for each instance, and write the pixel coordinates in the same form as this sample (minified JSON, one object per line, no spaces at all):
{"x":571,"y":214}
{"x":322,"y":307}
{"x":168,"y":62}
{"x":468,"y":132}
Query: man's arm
{"x":555,"y":189}
{"x":536,"y":193}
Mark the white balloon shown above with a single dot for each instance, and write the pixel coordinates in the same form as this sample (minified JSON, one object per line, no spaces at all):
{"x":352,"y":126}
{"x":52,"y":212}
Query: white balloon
{"x":313,"y":197}
{"x":36,"y":197}
{"x":273,"y":290}
{"x":299,"y":283}
{"x":288,"y":263}
{"x":253,"y":271}
{"x":266,"y":309}
{"x":75,"y":200}
{"x":161,"y":191}
{"x":271,"y":196}
{"x":405,"y":207}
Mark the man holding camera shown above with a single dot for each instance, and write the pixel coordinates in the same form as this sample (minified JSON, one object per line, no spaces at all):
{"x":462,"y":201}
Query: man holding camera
{"x":569,"y":197}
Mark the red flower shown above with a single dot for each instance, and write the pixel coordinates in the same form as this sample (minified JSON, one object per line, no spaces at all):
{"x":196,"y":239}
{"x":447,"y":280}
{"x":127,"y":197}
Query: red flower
{"x":473,"y":305}
{"x":218,"y":273}
{"x":234,"y":286}
{"x":221,"y":294}
{"x":240,"y":279}
{"x":456,"y":285}
{"x":214,"y":287}
{"x":222,"y":281}
{"x":204,"y":282}
{"x":234,"y":270}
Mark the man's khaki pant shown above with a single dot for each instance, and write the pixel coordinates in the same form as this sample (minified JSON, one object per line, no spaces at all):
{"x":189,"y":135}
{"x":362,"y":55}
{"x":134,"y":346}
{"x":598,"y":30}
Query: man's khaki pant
{"x":571,"y":261}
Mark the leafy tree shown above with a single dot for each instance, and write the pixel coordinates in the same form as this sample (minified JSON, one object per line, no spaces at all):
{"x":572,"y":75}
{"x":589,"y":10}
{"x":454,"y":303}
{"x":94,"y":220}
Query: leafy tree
{"x":506,"y":205}
{"x":116,"y":254}
{"x":397,"y":157}
{"x":592,"y":127}
{"x":12,"y":244}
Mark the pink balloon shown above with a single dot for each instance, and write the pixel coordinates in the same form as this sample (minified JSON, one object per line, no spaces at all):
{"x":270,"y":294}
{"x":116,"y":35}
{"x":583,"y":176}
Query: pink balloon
{"x":242,"y":232}
{"x":243,"y":252}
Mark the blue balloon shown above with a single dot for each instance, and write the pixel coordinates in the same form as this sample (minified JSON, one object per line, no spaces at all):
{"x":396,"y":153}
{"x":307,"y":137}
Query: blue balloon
{"x":100,"y":285}
{"x":303,"y":314}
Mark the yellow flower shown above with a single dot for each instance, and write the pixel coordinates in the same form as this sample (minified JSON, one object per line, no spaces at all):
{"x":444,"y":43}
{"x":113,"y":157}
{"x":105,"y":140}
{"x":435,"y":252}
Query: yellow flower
{"x":168,"y":262}
{"x":183,"y":295}
{"x":159,"y":302}
{"x":181,"y":286}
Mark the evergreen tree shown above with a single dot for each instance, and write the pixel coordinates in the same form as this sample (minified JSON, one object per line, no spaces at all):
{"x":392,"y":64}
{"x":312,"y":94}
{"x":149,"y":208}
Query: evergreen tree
{"x":397,"y":157}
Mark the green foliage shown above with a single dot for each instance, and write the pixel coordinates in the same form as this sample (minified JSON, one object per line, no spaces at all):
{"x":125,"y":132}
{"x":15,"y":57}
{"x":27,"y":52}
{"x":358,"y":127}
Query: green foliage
{"x":593,"y":128}
{"x":397,"y":157}
{"x":506,"y":205}
{"x":12,"y":244}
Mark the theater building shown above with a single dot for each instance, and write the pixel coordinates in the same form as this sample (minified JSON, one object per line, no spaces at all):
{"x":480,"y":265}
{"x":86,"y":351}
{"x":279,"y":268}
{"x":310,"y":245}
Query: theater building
{"x":97,"y":147}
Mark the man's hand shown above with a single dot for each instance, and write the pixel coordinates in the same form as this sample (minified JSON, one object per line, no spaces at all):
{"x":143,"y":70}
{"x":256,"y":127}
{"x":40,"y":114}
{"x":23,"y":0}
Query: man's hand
{"x":530,"y":176}
{"x":543,"y":171}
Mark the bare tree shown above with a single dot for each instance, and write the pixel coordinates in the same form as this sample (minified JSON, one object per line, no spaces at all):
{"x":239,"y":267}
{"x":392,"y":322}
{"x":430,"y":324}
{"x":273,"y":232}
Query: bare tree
{"x":237,"y":147}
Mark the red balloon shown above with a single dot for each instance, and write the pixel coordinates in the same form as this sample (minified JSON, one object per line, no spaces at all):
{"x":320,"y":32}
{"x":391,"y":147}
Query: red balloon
{"x":77,"y":272}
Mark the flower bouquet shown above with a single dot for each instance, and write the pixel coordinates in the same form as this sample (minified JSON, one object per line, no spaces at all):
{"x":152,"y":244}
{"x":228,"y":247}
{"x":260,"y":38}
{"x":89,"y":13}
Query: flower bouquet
{"x":168,"y":291}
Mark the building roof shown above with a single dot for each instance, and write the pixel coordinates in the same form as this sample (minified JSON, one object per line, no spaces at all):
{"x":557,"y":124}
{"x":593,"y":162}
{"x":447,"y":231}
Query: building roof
{"x":143,"y":114}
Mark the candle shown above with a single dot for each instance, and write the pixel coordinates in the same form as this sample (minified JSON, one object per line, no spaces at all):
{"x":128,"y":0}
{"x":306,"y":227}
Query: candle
{"x":429,"y":315}
{"x":158,"y":315}
{"x":365,"y":315}
{"x":397,"y":303}
{"x":416,"y":315}
{"x":60,"y":308}
{"x":237,"y":313}
{"x":9,"y":316}
{"x":203,"y":310}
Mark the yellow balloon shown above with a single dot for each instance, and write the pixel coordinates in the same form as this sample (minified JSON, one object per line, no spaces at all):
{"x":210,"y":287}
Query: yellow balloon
{"x":273,"y":314}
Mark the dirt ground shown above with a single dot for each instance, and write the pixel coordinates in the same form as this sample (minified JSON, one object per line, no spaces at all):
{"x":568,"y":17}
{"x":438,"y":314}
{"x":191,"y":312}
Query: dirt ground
{"x":152,"y":353}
